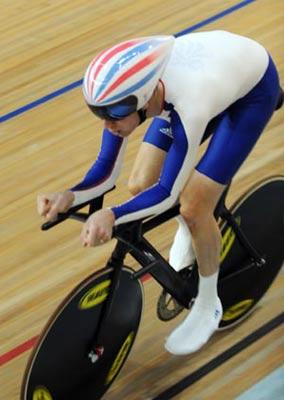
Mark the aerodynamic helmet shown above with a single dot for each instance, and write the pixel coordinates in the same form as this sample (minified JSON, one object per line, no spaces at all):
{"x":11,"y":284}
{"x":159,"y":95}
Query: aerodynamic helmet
{"x":121,"y":79}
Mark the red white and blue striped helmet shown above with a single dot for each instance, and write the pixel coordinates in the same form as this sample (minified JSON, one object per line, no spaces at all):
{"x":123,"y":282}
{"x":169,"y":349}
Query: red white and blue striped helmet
{"x":128,"y":70}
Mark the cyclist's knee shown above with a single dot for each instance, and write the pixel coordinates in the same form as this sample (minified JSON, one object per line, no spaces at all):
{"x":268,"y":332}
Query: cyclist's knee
{"x":193,"y":214}
{"x":198,"y":219}
{"x":196,"y":209}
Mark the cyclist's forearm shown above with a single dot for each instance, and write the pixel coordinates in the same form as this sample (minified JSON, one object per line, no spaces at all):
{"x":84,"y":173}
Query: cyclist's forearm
{"x":151,"y":201}
{"x":104,"y":172}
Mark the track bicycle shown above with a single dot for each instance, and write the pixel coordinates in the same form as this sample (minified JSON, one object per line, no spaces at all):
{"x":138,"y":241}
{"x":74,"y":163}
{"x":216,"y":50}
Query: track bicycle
{"x":89,"y":337}
{"x":87,"y":340}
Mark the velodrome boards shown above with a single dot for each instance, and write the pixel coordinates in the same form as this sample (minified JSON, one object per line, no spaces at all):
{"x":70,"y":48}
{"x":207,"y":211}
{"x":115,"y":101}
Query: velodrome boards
{"x":49,"y":139}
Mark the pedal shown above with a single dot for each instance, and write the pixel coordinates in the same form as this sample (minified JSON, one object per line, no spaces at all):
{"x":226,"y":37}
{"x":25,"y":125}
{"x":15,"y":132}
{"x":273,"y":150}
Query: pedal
{"x":167,"y":306}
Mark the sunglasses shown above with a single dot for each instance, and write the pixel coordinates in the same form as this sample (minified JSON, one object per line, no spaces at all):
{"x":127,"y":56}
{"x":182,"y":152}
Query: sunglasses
{"x":117,"y":111}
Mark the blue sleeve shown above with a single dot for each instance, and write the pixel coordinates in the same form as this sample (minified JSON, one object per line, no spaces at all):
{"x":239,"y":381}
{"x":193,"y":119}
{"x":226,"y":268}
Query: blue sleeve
{"x":159,"y":134}
{"x":165,"y":193}
{"x":103,"y":166}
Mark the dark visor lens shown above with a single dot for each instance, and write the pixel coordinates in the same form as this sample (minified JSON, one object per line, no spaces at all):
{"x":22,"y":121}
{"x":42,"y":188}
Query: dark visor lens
{"x":116,"y":111}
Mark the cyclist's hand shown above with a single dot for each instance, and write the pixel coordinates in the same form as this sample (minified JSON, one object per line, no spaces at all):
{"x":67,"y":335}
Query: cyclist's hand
{"x":98,"y":228}
{"x":49,"y":205}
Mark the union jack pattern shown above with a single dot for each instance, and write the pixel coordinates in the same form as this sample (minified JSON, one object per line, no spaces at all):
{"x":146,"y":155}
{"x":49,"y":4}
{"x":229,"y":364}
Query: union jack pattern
{"x":132,"y":67}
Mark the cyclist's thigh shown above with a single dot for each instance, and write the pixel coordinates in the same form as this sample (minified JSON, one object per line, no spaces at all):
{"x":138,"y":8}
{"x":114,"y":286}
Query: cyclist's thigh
{"x":239,"y":129}
{"x":151,"y":155}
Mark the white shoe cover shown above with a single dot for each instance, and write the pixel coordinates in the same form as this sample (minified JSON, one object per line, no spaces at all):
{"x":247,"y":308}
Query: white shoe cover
{"x":195,"y":330}
{"x":181,"y":254}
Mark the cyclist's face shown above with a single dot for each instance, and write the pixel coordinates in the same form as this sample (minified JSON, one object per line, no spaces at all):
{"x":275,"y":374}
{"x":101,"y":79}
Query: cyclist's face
{"x":123,"y":127}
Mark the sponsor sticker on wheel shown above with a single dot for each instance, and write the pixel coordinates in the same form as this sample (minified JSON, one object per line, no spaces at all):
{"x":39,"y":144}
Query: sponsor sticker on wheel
{"x":95,"y":295}
{"x":119,"y":359}
{"x":237,"y":309}
{"x":41,"y":393}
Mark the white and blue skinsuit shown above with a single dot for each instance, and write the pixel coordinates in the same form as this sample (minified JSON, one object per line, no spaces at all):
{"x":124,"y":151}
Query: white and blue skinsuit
{"x":215,"y":78}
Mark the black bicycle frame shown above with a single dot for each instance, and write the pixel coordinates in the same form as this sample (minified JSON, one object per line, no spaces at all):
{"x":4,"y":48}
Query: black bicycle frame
{"x":130,"y":239}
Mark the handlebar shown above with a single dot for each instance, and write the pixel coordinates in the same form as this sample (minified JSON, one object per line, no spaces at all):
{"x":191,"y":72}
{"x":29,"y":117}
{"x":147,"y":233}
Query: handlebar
{"x":94,"y":205}
{"x":139,"y":226}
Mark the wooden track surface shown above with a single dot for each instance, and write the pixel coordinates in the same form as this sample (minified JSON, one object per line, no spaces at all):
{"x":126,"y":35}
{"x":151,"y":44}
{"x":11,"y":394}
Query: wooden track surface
{"x":46,"y":46}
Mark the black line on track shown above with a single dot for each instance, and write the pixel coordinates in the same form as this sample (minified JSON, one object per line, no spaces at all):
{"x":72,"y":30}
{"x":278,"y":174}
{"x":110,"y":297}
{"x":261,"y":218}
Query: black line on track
{"x":220,"y":359}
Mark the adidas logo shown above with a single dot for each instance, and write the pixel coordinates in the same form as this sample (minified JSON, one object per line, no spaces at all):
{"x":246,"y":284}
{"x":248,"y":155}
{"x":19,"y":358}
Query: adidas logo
{"x":167,"y":131}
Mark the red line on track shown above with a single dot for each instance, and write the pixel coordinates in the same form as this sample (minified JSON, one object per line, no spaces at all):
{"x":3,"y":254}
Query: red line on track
{"x":17,"y":351}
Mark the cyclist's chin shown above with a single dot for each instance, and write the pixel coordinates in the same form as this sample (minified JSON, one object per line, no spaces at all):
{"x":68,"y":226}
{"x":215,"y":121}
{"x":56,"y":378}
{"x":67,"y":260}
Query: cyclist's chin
{"x":123,"y":133}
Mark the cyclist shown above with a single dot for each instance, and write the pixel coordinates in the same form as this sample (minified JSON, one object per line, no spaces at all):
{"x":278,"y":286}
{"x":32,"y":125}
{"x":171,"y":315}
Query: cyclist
{"x":188,"y":84}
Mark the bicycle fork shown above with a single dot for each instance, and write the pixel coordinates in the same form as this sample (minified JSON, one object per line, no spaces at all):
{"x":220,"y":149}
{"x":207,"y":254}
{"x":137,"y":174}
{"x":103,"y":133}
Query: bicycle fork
{"x":96,"y":349}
